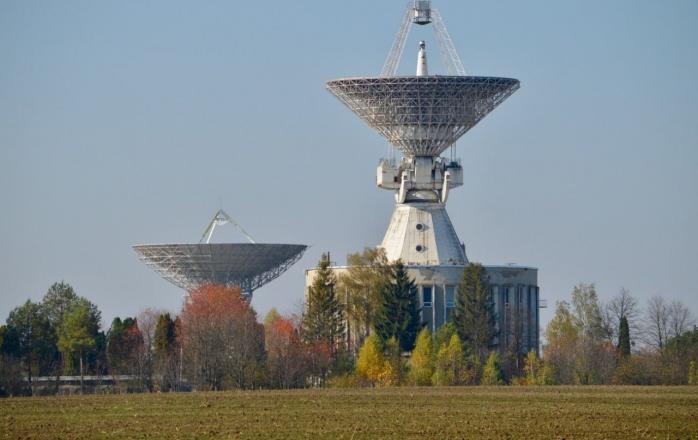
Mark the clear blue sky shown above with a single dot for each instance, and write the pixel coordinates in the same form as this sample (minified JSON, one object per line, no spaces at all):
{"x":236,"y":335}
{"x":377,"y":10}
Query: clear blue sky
{"x":132,"y":122}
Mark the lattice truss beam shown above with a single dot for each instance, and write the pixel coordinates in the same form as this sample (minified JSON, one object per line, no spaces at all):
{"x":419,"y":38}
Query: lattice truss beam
{"x":449,"y":55}
{"x":422,"y":116}
{"x":245,"y":265}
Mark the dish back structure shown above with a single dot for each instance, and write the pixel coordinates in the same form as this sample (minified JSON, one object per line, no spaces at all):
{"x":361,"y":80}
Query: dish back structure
{"x":422,"y":115}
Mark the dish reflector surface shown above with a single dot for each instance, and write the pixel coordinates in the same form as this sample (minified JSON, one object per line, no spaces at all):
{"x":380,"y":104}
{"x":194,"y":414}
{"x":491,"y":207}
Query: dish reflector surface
{"x":422,"y":115}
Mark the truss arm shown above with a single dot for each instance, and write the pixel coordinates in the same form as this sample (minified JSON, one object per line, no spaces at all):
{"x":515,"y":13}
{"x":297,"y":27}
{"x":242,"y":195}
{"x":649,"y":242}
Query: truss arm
{"x":448,"y":50}
{"x":222,"y":218}
{"x":391,"y":63}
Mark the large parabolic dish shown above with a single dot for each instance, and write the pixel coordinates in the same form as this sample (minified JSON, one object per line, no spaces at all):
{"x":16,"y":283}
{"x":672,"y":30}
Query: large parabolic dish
{"x":248,"y":266}
{"x":422,"y":115}
{"x":245,"y":265}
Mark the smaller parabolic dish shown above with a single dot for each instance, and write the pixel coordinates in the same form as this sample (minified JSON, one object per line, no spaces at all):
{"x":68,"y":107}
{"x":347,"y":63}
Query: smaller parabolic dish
{"x":248,"y":266}
{"x":245,"y":265}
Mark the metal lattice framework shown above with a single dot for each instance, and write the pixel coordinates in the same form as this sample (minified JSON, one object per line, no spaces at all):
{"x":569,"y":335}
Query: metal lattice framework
{"x":421,"y":13}
{"x":398,"y":47}
{"x":245,"y":265}
{"x":454,"y":66}
{"x":422,"y":115}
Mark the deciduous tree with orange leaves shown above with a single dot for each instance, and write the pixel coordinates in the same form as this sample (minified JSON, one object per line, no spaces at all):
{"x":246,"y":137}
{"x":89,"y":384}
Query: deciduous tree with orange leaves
{"x":287,"y":360}
{"x":222,"y":341}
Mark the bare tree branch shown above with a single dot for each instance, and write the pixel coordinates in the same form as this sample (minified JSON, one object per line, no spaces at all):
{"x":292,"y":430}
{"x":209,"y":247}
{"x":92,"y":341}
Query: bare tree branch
{"x":680,"y":319}
{"x":656,"y":322}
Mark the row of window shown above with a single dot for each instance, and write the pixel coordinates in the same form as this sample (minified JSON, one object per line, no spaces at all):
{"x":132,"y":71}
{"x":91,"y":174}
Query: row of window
{"x":427,"y":297}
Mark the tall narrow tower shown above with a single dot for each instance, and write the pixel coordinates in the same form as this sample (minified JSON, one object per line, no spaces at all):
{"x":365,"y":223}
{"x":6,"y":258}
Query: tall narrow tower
{"x":422,"y":116}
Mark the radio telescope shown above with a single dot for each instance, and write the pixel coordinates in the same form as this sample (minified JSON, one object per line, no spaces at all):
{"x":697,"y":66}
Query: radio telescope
{"x":422,"y":115}
{"x":248,"y":266}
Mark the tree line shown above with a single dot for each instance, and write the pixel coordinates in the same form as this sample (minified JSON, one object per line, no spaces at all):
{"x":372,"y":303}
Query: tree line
{"x":359,"y":328}
{"x":370,"y":315}
{"x":621,"y":342}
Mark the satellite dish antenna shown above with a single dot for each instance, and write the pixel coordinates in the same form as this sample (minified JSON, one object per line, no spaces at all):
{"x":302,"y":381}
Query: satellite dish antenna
{"x":248,"y":266}
{"x":422,"y":115}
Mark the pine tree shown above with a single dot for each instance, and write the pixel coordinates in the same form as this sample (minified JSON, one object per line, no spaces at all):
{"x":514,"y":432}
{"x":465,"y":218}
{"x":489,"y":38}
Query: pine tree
{"x":164,"y":339}
{"x":624,"y":337}
{"x":371,"y":361}
{"x":422,"y":360}
{"x":323,"y":320}
{"x":492,"y":375}
{"x":35,"y":337}
{"x":58,"y":301}
{"x":398,"y":316}
{"x":474,"y":315}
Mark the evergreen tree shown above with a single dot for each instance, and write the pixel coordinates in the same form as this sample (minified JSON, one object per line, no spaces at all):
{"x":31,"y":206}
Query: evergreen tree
{"x":123,"y":343}
{"x":474,"y":315}
{"x":492,"y":375}
{"x":624,"y":337}
{"x":58,"y":301}
{"x":164,"y":340}
{"x":323,"y":320}
{"x":35,"y":338}
{"x":166,"y":353}
{"x":11,"y":380}
{"x":371,"y":362}
{"x":422,"y":360}
{"x":692,"y":378}
{"x":398,"y":316}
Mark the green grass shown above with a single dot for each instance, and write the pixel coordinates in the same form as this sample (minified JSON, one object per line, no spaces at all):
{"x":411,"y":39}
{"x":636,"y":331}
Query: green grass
{"x":465,"y":412}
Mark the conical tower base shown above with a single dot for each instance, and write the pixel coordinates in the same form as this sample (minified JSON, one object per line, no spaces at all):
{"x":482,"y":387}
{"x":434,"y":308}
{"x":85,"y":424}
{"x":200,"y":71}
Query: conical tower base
{"x":422,"y":234}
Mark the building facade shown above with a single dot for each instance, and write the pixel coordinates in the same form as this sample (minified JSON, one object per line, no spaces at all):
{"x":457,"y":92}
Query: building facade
{"x":515,"y":294}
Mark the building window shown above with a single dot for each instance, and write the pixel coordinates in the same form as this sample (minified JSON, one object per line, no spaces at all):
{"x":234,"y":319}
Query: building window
{"x":450,"y":297}
{"x":426,"y":296}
